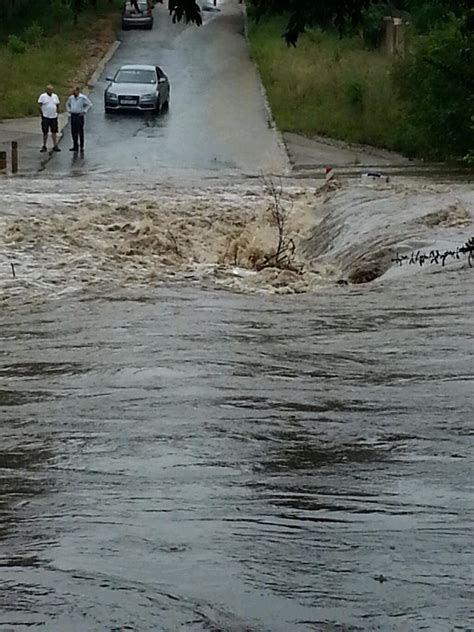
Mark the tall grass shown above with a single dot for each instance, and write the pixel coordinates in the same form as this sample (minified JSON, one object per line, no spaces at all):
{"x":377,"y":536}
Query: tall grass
{"x":53,"y":59}
{"x":25,"y":76}
{"x":327,"y":85}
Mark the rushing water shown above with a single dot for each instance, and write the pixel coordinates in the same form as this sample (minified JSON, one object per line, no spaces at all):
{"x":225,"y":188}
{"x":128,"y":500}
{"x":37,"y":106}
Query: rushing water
{"x":177,"y":456}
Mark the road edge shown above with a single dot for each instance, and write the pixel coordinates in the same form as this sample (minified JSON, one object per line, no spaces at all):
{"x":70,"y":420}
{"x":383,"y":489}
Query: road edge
{"x":94,"y":78}
{"x":266,"y":103}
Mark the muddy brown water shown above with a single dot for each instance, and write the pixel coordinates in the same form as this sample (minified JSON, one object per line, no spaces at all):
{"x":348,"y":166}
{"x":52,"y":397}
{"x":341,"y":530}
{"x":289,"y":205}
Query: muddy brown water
{"x":176,"y":455}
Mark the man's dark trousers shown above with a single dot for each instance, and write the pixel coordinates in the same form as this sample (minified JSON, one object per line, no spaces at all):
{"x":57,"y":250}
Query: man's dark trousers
{"x":77,"y":130}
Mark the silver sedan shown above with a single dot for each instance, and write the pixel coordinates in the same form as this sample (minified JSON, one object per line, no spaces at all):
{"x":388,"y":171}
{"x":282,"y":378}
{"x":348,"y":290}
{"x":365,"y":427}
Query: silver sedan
{"x":143,"y":18}
{"x":137,"y":87}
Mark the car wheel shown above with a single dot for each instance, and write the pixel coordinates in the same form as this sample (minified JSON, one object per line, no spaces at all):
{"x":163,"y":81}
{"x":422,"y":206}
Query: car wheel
{"x":108,"y":110}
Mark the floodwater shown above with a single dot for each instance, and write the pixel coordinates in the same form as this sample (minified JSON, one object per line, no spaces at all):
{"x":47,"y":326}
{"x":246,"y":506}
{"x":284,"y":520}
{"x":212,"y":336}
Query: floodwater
{"x":188,"y":443}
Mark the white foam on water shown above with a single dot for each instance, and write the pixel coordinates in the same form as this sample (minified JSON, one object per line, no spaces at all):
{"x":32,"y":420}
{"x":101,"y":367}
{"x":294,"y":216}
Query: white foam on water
{"x":71,"y":236}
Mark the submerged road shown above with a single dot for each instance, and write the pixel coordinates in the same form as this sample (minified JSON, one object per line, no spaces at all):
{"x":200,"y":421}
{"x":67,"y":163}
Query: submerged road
{"x":217,"y":121}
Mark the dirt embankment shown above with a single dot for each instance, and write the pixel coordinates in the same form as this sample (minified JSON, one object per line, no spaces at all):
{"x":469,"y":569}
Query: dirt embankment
{"x":95,"y":47}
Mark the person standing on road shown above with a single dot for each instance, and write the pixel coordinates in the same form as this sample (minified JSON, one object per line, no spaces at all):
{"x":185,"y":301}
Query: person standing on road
{"x":48,"y":103}
{"x":77,"y":106}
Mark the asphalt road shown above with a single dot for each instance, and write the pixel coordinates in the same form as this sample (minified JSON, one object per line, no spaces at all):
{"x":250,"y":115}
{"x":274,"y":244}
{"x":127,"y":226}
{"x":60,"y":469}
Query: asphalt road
{"x":217,"y":120}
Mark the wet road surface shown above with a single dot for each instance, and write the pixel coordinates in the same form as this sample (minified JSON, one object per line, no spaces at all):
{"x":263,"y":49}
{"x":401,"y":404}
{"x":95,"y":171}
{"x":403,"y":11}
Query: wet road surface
{"x":217,"y":120}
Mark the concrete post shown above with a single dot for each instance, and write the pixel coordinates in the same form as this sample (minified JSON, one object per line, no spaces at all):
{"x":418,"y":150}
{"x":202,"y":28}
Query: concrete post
{"x":3,"y":161}
{"x":399,"y":36}
{"x":14,"y":156}
{"x":388,"y":36}
{"x":393,"y":36}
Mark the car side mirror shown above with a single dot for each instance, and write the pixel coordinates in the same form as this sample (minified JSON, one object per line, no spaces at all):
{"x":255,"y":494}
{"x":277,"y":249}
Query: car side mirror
{"x":109,"y":79}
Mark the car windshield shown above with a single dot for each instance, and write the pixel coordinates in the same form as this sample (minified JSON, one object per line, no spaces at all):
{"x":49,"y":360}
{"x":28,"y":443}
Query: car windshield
{"x":135,"y":76}
{"x":141,"y":5}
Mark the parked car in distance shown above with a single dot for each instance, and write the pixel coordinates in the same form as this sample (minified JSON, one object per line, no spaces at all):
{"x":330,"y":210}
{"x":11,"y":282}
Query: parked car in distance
{"x":131,"y":19}
{"x":137,"y":87}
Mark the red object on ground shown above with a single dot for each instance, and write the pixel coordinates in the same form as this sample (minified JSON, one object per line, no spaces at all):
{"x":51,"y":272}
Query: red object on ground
{"x":329,"y":171}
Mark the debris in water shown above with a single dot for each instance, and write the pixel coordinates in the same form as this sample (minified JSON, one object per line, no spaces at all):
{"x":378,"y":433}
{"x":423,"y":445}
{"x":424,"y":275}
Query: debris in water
{"x":436,"y":256}
{"x":375,"y":176}
{"x":242,"y":242}
{"x":329,"y":174}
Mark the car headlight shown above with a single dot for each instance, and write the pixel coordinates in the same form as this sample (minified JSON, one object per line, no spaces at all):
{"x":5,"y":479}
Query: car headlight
{"x":111,"y":95}
{"x":147,"y":97}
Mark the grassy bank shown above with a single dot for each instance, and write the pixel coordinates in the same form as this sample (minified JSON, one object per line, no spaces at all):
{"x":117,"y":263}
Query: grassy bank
{"x":329,"y":86}
{"x":32,"y":58}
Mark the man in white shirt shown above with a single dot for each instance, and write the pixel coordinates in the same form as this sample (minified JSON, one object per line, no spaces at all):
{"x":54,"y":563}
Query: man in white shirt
{"x":77,"y":106}
{"x":48,"y":103}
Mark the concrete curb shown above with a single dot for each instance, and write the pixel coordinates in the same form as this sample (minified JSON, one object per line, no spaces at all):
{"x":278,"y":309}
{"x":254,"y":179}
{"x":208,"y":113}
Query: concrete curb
{"x":271,"y":121}
{"x":102,"y":64}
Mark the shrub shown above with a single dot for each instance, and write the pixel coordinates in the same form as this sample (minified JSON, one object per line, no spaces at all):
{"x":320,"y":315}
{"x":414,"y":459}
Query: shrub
{"x":436,"y":81}
{"x":15,"y":45}
{"x":33,"y":34}
{"x":60,"y":14}
{"x":373,"y":24}
{"x":427,"y":16}
{"x":354,"y":90}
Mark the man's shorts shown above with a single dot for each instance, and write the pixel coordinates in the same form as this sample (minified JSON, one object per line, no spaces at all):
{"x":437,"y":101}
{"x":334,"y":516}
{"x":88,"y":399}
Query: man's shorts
{"x":49,"y":124}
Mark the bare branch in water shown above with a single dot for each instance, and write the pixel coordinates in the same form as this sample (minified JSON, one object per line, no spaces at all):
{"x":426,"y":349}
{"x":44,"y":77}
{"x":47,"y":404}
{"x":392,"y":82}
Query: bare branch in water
{"x":174,"y":243}
{"x":283,"y":257}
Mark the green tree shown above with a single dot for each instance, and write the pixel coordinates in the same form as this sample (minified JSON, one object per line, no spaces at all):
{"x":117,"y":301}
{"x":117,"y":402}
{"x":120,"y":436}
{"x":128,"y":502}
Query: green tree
{"x":437,"y":83}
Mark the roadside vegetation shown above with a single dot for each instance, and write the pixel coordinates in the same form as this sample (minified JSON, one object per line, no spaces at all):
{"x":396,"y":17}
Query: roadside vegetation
{"x":47,"y":42}
{"x":327,"y":74}
{"x":328,"y":85}
{"x":321,"y":63}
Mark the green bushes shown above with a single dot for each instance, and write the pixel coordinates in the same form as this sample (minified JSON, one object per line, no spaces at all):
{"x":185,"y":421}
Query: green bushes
{"x":44,"y":49}
{"x":436,"y":82}
{"x":53,"y":63}
{"x":33,"y":34}
{"x":354,"y":89}
{"x":372,"y":23}
{"x":51,"y":16}
{"x":327,"y":85}
{"x":15,"y":45}
{"x":421,"y":105}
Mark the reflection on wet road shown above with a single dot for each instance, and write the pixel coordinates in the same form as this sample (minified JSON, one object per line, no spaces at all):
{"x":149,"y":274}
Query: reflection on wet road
{"x":217,"y":120}
{"x":190,"y":460}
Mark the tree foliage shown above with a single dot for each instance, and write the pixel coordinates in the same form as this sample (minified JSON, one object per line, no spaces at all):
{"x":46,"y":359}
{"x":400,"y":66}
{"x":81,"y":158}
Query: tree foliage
{"x":186,"y":11}
{"x":437,"y":82}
